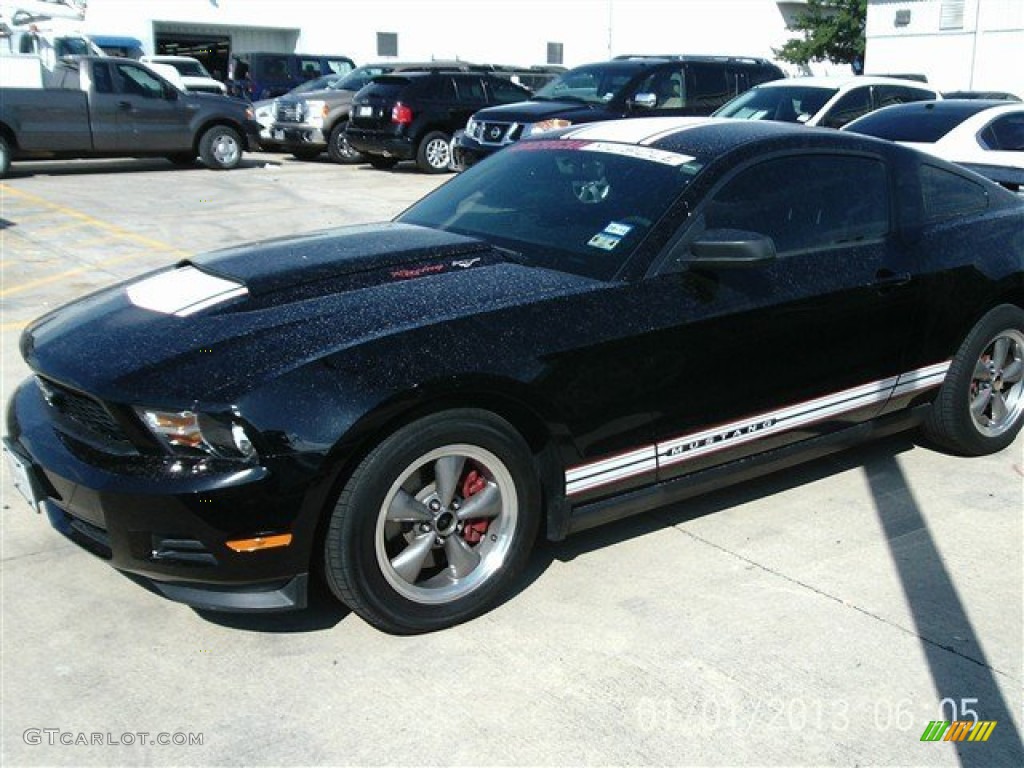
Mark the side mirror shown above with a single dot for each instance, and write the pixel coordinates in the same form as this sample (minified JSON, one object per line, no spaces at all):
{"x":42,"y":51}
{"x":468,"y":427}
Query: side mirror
{"x":644,"y":101}
{"x":731,"y":249}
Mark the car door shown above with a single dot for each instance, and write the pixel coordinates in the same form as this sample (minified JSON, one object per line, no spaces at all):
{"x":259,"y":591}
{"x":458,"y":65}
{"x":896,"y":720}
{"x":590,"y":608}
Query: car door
{"x":470,"y":96}
{"x":759,"y":356}
{"x":148,"y":119}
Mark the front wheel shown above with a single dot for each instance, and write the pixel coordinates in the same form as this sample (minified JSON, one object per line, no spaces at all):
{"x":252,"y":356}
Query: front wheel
{"x":435,"y":523}
{"x":220,"y":148}
{"x":434,"y":153}
{"x":980,"y":407}
{"x":339,"y":149}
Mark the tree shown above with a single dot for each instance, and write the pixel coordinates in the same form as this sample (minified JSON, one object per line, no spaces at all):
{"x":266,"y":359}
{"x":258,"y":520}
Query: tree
{"x":832,"y":29}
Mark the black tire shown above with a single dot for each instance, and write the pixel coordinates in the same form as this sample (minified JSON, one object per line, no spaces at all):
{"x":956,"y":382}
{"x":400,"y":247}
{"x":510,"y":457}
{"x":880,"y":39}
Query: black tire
{"x":340,"y":150}
{"x":434,"y":153}
{"x":394,"y":547}
{"x":220,"y":148}
{"x":5,"y":157}
{"x":382,"y":163}
{"x":306,"y":154}
{"x":182,"y":158}
{"x":980,"y":407}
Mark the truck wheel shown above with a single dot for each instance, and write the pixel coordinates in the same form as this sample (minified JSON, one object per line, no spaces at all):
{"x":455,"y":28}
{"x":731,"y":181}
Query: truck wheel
{"x":5,"y":157}
{"x":434,"y":153}
{"x":340,"y":150}
{"x":221,"y":148}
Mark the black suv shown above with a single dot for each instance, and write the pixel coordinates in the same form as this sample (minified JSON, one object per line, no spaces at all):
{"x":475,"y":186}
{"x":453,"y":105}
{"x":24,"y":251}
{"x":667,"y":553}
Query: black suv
{"x":412,"y":116}
{"x":627,"y":86}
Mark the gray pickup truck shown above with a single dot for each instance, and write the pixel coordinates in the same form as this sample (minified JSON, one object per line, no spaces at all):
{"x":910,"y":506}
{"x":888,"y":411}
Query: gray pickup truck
{"x":112,"y":107}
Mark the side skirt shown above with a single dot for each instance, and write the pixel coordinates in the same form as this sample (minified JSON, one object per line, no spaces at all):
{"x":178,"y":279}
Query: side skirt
{"x":669,"y":492}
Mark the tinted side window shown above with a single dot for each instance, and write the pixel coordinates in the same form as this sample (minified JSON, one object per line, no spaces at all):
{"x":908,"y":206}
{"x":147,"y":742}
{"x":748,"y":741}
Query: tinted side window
{"x":138,"y":81}
{"x":849,"y":107}
{"x":886,"y":95}
{"x":667,"y":86}
{"x":948,"y":194}
{"x":504,"y":92}
{"x":707,"y":86}
{"x":273,"y":66}
{"x":101,"y":78}
{"x":806,"y":202}
{"x":470,"y":90}
{"x":1005,"y":133}
{"x":309,"y":67}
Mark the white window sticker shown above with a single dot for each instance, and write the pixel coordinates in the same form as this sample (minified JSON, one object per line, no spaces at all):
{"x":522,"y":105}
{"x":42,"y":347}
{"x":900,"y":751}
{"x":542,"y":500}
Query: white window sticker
{"x":604,"y":242}
{"x":641,"y":153}
{"x":617,"y":229}
{"x":183,"y":291}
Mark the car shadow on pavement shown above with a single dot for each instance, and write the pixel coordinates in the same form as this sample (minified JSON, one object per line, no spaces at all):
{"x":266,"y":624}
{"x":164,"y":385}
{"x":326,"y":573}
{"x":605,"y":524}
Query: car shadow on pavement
{"x":29,"y":168}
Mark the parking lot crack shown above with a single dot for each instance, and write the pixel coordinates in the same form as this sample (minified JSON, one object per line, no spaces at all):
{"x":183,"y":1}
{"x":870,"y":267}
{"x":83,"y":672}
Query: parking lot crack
{"x":841,"y":601}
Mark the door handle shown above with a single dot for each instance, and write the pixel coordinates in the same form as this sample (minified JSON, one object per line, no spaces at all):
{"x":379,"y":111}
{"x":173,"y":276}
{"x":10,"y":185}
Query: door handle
{"x":124,"y":106}
{"x":886,"y":278}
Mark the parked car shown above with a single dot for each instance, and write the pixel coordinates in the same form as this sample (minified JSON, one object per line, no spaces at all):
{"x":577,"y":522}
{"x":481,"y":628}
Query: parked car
{"x":112,"y":107}
{"x":193,"y":74}
{"x":985,"y":136}
{"x":257,"y":76}
{"x":265,"y":111}
{"x":412,"y":115}
{"x":830,"y":102}
{"x":309,"y":123}
{"x":631,"y":86}
{"x":536,"y":345}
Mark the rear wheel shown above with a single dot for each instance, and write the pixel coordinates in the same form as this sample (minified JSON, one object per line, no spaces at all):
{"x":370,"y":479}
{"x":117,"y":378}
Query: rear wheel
{"x":382,"y":163}
{"x":980,"y":407}
{"x":340,"y":150}
{"x":220,"y":148}
{"x":435,"y":523}
{"x":434,"y":153}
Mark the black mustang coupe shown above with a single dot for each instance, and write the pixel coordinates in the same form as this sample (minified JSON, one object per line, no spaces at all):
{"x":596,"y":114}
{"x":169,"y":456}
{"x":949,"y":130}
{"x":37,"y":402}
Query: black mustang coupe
{"x":591,"y":323}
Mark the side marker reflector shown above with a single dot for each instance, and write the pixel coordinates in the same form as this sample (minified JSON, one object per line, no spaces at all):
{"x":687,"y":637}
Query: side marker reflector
{"x":260,"y":542}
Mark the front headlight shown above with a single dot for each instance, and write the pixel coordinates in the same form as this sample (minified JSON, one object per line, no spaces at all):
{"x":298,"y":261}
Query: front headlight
{"x":316,"y":111}
{"x":197,"y":434}
{"x":250,"y":114}
{"x":471,"y":128}
{"x":546,"y":125}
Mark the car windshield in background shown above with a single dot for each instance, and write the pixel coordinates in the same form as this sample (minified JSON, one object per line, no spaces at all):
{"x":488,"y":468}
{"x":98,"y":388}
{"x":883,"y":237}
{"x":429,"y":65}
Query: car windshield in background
{"x":318,"y":83}
{"x":592,"y":85}
{"x":923,"y":126}
{"x":790,"y":104}
{"x":573,"y":206}
{"x":190,"y":68}
{"x":358,"y":78}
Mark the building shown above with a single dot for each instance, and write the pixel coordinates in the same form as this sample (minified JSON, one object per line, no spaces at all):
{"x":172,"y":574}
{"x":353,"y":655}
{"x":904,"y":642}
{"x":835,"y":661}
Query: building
{"x":956,"y":44}
{"x":521,"y":32}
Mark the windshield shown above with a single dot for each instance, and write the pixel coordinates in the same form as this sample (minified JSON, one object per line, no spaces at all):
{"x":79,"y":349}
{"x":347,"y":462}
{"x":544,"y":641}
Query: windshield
{"x":317,"y":84}
{"x":189,"y":68}
{"x":359,"y":77}
{"x":595,"y":84}
{"x":573,"y":206}
{"x":790,"y":104}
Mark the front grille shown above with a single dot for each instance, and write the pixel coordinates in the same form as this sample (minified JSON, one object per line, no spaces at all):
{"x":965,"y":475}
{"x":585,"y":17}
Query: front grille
{"x":493,"y":133}
{"x":290,"y":112}
{"x":83,"y":413}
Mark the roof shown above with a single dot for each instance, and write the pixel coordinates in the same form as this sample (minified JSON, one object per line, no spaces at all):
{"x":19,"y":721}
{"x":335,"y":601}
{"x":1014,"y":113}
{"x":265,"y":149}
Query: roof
{"x":840,"y":81}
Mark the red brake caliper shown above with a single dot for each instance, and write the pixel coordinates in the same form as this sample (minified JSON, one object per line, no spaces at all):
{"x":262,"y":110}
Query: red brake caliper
{"x":473,"y":530}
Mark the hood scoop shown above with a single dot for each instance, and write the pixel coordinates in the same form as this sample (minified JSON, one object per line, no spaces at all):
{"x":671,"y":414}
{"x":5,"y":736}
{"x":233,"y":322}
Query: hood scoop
{"x":183,"y":291}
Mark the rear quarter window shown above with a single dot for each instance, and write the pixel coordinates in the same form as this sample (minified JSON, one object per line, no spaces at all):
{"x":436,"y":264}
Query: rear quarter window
{"x":947,"y":195}
{"x":1005,"y":133}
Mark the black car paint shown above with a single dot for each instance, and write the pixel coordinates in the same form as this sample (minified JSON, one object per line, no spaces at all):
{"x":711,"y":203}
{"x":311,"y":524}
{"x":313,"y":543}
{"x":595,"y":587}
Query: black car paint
{"x":348,"y":334}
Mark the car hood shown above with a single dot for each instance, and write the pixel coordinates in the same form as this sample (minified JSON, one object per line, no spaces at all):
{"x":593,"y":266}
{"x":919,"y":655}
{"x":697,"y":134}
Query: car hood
{"x":334,"y":96}
{"x":213,"y":328}
{"x":535,"y":111}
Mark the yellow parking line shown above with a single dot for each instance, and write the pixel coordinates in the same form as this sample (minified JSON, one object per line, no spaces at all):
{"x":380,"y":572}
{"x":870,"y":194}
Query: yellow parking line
{"x":27,"y":286}
{"x":112,"y":228}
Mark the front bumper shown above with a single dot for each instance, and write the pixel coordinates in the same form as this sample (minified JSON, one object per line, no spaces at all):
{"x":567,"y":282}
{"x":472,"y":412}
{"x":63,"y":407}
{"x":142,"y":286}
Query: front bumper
{"x":297,"y":136}
{"x":169,"y":522}
{"x":467,"y":151}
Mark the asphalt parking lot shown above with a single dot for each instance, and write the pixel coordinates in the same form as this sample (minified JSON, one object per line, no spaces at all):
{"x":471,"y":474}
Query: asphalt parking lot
{"x":821,"y":616}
